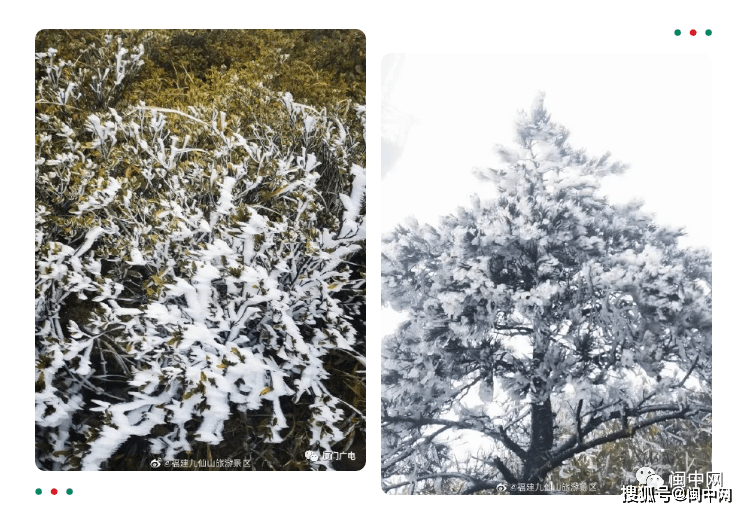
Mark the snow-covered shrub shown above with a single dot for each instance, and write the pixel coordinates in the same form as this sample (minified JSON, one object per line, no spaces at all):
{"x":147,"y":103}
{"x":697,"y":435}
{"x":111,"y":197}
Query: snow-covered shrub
{"x":199,"y":271}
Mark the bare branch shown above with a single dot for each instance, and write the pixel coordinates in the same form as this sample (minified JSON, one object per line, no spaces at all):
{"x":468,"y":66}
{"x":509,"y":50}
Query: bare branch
{"x":411,"y":450}
{"x":687,"y":376}
{"x":423,"y":422}
{"x":573,"y":446}
{"x":507,"y":474}
{"x":429,"y":476}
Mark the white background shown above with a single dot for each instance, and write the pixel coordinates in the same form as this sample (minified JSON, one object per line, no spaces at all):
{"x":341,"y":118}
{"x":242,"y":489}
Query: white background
{"x":529,"y":29}
{"x":652,"y":111}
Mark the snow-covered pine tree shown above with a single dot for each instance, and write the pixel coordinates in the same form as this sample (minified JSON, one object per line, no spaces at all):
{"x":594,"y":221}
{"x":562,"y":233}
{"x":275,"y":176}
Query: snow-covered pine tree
{"x":585,"y":315}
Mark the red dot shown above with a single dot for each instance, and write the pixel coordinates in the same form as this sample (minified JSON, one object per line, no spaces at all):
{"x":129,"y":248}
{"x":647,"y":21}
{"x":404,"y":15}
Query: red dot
{"x":693,"y":32}
{"x":54,"y":491}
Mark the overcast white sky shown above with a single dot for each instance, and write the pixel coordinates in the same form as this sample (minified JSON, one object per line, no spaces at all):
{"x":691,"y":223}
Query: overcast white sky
{"x":650,"y":111}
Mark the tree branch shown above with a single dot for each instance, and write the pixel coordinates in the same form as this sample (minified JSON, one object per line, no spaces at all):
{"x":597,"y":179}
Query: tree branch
{"x":409,"y":481}
{"x":424,"y":422}
{"x":573,"y":446}
{"x":687,"y":376}
{"x":500,"y":435}
{"x":480,"y":485}
{"x":510,"y":478}
{"x":411,"y":449}
{"x":510,"y":443}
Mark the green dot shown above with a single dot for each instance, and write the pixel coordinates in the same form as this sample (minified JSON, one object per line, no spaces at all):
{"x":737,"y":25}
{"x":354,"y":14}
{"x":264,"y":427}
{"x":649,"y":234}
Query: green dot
{"x":677,"y":32}
{"x":69,"y":491}
{"x":708,"y":32}
{"x":38,"y":491}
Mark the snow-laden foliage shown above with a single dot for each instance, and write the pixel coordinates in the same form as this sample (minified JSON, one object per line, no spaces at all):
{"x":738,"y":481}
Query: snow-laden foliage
{"x":538,"y":318}
{"x":675,"y":446}
{"x":194,"y":275}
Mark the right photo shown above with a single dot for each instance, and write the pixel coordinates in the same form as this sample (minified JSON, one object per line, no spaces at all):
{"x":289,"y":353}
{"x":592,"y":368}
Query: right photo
{"x":546,"y":274}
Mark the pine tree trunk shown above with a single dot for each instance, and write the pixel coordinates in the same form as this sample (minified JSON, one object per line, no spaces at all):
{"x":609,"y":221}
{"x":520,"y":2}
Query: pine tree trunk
{"x":542,"y":418}
{"x":541,"y":442}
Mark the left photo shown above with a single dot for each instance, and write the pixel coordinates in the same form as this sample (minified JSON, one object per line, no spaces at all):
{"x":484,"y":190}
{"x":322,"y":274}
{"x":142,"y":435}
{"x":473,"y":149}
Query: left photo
{"x":200,"y":243}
